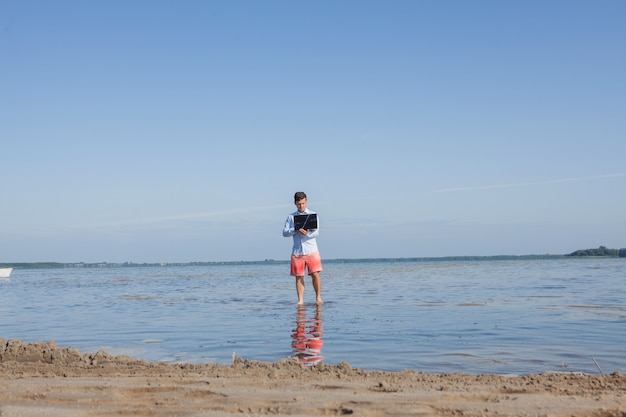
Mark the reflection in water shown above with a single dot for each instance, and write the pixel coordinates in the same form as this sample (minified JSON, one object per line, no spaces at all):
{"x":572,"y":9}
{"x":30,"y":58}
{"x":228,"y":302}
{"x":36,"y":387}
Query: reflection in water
{"x":307,"y":336}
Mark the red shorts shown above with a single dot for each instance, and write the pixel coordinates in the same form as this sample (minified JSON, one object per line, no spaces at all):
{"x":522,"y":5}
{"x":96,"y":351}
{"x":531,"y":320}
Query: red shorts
{"x":312,"y":262}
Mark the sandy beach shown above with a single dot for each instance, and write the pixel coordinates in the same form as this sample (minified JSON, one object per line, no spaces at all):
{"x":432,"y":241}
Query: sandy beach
{"x":41,"y":379}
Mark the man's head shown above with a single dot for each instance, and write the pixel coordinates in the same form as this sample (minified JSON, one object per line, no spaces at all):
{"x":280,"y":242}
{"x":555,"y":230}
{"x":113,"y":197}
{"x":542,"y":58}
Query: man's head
{"x":299,"y":199}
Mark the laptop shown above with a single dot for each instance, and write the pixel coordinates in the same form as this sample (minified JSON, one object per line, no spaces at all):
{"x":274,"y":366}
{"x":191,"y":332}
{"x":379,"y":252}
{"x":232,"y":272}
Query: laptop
{"x":305,"y":221}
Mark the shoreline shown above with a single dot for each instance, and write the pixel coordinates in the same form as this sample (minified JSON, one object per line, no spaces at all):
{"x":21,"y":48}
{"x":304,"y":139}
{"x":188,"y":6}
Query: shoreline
{"x":452,"y":258}
{"x":65,"y":382}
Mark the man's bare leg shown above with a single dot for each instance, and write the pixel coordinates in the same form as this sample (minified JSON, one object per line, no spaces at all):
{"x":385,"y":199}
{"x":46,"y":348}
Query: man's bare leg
{"x":300,"y":289}
{"x":317,"y":286}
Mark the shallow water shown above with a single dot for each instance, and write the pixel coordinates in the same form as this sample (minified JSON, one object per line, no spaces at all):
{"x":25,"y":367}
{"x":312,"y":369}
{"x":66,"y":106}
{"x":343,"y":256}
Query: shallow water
{"x":506,"y":317}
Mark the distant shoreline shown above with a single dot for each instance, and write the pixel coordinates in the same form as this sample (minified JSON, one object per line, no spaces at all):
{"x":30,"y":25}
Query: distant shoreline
{"x":62,"y":265}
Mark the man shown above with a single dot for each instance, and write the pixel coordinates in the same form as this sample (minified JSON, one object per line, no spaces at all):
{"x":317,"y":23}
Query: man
{"x":304,"y":254}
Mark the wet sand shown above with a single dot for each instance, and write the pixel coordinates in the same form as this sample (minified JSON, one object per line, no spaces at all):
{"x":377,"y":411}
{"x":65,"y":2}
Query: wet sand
{"x":41,"y":379}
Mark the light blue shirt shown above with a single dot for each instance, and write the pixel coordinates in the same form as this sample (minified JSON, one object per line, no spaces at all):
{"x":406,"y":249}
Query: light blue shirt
{"x":302,"y":245}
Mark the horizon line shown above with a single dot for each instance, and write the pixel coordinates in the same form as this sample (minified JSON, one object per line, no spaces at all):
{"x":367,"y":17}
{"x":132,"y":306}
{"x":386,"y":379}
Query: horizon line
{"x":333,"y":260}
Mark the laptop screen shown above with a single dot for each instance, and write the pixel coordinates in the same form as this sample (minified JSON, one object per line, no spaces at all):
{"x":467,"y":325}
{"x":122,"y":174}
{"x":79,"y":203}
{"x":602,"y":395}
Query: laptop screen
{"x":305,"y":221}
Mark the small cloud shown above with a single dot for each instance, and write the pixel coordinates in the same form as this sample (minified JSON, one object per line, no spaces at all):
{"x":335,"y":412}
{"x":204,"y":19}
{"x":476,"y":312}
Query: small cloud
{"x":182,"y":218}
{"x":528,"y":184}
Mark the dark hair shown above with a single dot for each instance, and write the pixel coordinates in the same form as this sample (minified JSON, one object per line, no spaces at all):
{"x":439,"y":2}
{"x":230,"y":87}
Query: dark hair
{"x":299,"y":196}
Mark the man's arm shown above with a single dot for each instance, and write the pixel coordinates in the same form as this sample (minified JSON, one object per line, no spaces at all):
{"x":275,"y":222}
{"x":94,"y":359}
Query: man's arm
{"x":288,"y":228}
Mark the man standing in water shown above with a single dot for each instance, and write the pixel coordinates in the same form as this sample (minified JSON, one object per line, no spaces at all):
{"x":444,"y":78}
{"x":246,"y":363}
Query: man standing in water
{"x":304,"y":254}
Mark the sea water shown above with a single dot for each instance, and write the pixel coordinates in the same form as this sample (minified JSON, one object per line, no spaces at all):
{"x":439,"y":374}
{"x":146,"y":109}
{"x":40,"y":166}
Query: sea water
{"x":505,"y":317}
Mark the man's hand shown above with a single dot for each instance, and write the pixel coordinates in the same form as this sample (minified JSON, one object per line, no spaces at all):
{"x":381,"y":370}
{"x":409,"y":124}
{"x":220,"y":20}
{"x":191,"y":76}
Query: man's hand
{"x":303,"y":232}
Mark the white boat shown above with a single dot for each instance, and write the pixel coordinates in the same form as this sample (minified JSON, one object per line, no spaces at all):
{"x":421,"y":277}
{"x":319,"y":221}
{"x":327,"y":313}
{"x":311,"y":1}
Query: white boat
{"x":5,"y":272}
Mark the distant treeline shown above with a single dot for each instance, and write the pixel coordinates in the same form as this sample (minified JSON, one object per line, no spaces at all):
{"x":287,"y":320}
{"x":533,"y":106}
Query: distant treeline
{"x":33,"y":265}
{"x":601,"y":251}
{"x":48,"y":265}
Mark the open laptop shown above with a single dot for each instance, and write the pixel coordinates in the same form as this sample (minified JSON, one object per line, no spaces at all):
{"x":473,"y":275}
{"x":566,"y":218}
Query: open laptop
{"x":305,"y":221}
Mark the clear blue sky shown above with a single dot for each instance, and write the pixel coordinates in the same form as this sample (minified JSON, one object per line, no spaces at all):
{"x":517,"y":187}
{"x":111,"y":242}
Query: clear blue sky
{"x":172,"y":131}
